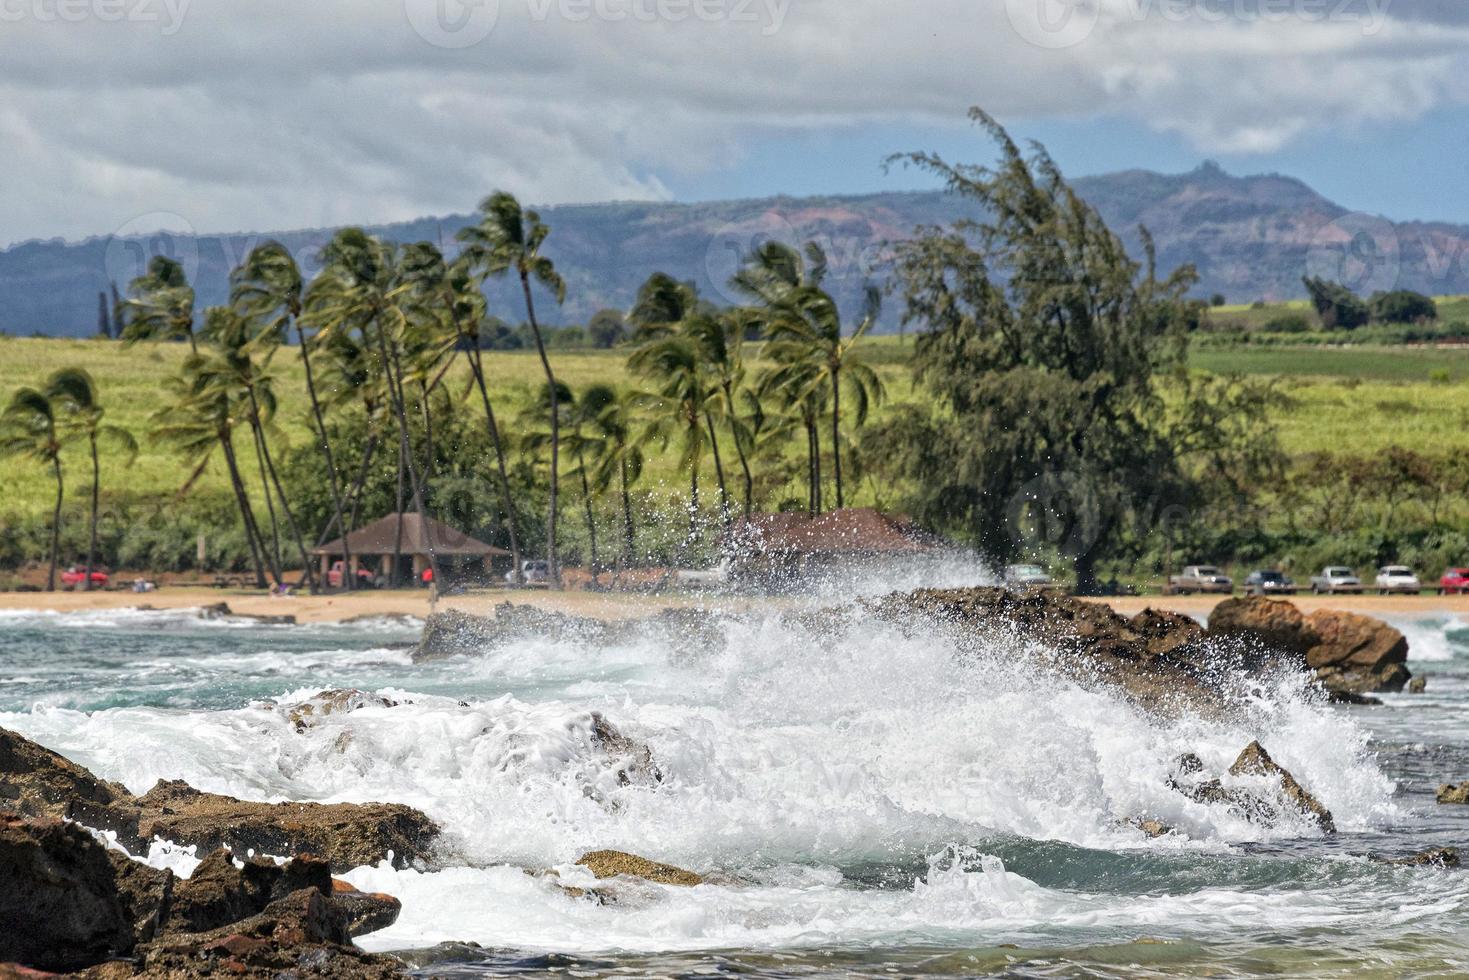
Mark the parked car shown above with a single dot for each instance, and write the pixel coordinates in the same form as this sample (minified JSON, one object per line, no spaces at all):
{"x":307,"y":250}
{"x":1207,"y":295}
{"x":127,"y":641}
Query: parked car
{"x":1455,"y":581}
{"x":1028,"y":577}
{"x":365,"y":577}
{"x":1397,"y":578}
{"x":532,"y":572}
{"x":1201,"y":578}
{"x":75,"y":577}
{"x":1335,"y":578}
{"x":1266,"y":581}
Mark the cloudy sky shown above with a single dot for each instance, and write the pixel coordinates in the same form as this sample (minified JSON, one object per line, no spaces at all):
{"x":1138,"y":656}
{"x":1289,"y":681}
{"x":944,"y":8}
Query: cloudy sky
{"x":268,"y":114}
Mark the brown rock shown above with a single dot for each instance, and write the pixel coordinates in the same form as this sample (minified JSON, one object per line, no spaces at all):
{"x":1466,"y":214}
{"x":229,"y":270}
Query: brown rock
{"x":1166,"y":632}
{"x":1436,"y":857}
{"x":1449,"y":793}
{"x":146,"y":894}
{"x":366,"y":911}
{"x":608,"y":864}
{"x":345,"y":834}
{"x":1254,"y":760}
{"x":1349,"y":640}
{"x":1153,"y":828}
{"x":58,"y":904}
{"x":1276,"y":623}
{"x":339,"y":702}
{"x":1418,"y":685}
{"x":36,"y":782}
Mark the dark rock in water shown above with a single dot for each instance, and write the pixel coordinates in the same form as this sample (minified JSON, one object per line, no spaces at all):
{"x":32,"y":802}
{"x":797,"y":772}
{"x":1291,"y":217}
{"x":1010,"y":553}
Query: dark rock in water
{"x":638,"y":765}
{"x":1449,"y":793}
{"x":609,"y":864}
{"x":346,"y":834}
{"x":339,"y":702}
{"x":1418,"y":685}
{"x":222,"y":610}
{"x":219,"y":893}
{"x":366,"y":911}
{"x":1436,"y":857}
{"x":1350,"y":697}
{"x":1166,"y":632}
{"x":1255,"y":761}
{"x":419,"y":959}
{"x":453,"y":633}
{"x":1153,"y":828}
{"x":59,"y":907}
{"x":36,"y":782}
{"x":1350,"y":654}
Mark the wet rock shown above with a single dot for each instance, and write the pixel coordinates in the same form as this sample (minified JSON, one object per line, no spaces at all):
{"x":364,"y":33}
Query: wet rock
{"x":345,"y":834}
{"x":1418,"y":685}
{"x":222,"y":610}
{"x":453,"y":633}
{"x":338,"y":702}
{"x":1436,"y":857}
{"x":36,"y":782}
{"x":1275,"y":623}
{"x":1449,"y":793}
{"x":1357,"y":653}
{"x":419,"y":959}
{"x":1166,"y":633}
{"x":58,"y":904}
{"x":366,"y":911}
{"x":609,"y":864}
{"x":1255,"y":761}
{"x":635,"y":757}
{"x":1351,"y":697}
{"x":146,"y":894}
{"x":1153,"y":828}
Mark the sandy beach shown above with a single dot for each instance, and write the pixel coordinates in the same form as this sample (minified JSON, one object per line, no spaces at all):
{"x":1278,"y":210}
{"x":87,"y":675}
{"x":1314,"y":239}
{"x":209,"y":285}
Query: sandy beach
{"x":415,"y":602}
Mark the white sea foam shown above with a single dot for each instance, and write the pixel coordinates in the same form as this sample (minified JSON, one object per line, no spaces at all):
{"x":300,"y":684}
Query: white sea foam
{"x":1434,"y":638}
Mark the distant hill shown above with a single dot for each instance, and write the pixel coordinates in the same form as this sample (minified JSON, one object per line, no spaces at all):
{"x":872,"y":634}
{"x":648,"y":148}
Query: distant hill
{"x":1250,"y":238}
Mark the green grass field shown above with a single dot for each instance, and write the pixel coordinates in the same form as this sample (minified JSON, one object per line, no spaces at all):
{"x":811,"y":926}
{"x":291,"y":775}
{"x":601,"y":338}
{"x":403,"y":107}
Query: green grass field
{"x":1354,"y":400}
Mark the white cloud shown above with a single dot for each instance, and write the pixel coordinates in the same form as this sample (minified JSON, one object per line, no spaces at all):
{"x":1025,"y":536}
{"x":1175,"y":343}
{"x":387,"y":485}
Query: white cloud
{"x":281,"y":114}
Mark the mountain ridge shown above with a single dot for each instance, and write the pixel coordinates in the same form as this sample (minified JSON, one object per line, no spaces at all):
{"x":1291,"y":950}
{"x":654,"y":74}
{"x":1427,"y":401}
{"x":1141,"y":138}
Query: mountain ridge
{"x":1250,"y":237}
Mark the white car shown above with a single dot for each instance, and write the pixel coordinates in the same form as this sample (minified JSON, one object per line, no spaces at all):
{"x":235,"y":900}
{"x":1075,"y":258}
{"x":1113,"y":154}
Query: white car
{"x":1397,"y":578}
{"x":1028,"y":577}
{"x":532,"y":572}
{"x":1334,"y":579}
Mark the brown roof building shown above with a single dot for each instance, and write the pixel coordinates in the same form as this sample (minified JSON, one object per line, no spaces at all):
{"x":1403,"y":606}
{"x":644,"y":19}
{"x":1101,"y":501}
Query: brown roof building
{"x":374,"y":545}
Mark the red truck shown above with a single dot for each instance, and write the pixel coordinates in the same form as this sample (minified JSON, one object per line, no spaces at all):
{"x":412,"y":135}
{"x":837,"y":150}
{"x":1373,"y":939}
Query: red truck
{"x":75,"y":578}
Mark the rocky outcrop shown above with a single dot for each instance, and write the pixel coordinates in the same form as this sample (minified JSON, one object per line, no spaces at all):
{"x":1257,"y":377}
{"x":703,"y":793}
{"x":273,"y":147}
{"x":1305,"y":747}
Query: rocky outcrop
{"x":1449,"y":793}
{"x":366,"y":911}
{"x":610,"y":864}
{"x":68,"y":903}
{"x":1434,"y":857}
{"x":1255,"y":761}
{"x":453,"y":633}
{"x":338,"y":702}
{"x":37,"y":782}
{"x":634,"y":758}
{"x":1350,"y":654}
{"x":346,"y":834}
{"x":58,"y":902}
{"x":1188,"y":778}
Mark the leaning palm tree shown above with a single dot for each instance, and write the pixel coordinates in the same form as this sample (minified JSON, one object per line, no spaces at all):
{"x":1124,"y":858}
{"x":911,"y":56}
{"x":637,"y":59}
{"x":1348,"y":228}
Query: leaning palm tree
{"x":160,"y":305}
{"x":29,"y":429}
{"x":617,"y":456}
{"x":508,"y":239}
{"x":267,"y":289}
{"x":74,"y":393}
{"x":681,"y":404}
{"x":805,"y":326}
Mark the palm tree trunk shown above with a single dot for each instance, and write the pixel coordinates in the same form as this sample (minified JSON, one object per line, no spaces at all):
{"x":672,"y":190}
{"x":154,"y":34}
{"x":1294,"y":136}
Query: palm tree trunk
{"x":586,"y":494}
{"x":275,"y":528}
{"x":477,"y":366}
{"x":718,"y":469}
{"x":836,"y":434}
{"x":428,"y":435}
{"x":535,"y":329}
{"x":629,"y":544}
{"x":395,"y":390}
{"x":398,"y":535}
{"x":96,"y":492}
{"x":348,"y":580}
{"x":352,"y":498}
{"x":740,"y":451}
{"x":307,"y":575}
{"x":55,"y":524}
{"x":247,"y":516}
{"x":693,"y":502}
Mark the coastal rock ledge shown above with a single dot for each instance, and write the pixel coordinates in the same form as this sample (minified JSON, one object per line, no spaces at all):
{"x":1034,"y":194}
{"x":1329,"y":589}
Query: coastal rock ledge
{"x":36,"y":782}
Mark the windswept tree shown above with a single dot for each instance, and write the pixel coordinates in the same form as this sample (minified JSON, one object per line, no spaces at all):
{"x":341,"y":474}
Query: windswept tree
{"x":616,"y":455}
{"x":507,"y":240}
{"x":1048,"y":352}
{"x":804,"y":326}
{"x":29,"y":429}
{"x":266,"y":290}
{"x":160,"y":305}
{"x":74,"y":394}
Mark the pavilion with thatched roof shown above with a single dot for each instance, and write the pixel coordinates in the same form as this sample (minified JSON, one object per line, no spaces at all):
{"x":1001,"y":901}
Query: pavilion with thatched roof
{"x":413,"y":537}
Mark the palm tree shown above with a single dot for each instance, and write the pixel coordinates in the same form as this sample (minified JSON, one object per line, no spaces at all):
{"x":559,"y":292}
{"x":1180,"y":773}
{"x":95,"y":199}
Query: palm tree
{"x":617,"y":455}
{"x":681,"y":402}
{"x":667,"y":309}
{"x":804,"y":325}
{"x":28,"y":428}
{"x":507,"y":240}
{"x":73,"y":391}
{"x":160,"y":305}
{"x":798,"y":388}
{"x":267,"y":288}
